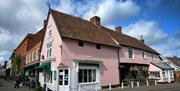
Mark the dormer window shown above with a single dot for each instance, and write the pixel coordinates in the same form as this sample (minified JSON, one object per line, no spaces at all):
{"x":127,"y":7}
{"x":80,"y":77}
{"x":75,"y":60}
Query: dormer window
{"x":80,"y":43}
{"x":49,"y":50}
{"x":130,"y":52}
{"x":98,"y":46}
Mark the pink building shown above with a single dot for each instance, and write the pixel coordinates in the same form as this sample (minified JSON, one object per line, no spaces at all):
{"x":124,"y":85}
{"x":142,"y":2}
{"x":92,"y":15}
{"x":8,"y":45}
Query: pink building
{"x":81,"y":55}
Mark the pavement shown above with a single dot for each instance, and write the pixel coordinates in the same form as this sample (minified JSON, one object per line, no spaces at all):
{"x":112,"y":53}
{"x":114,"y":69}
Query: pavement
{"x":9,"y":86}
{"x":159,"y":87}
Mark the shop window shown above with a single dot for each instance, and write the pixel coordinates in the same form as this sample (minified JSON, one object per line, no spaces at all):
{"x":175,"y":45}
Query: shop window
{"x":48,"y":76}
{"x":155,"y":74}
{"x":55,"y":75}
{"x":87,"y":75}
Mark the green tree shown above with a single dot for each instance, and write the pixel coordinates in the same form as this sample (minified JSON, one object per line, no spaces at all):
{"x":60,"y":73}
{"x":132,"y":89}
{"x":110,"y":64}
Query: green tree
{"x":18,"y":62}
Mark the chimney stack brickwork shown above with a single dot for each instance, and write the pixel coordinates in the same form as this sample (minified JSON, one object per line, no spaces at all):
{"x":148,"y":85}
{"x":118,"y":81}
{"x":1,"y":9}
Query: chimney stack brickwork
{"x":96,"y":20}
{"x":118,"y":29}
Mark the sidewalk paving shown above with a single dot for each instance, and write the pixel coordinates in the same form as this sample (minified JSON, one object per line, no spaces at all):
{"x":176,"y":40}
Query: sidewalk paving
{"x":9,"y":86}
{"x":159,"y":87}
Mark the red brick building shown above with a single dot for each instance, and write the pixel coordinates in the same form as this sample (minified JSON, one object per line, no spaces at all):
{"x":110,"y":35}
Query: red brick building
{"x":31,"y":43}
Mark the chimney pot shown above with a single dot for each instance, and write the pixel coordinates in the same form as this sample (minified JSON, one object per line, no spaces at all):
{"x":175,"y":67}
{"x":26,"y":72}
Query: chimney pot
{"x":118,"y":29}
{"x":141,"y":39}
{"x":96,"y":20}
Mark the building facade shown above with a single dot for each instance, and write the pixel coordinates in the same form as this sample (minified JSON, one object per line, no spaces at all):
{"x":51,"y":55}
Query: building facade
{"x":81,"y":55}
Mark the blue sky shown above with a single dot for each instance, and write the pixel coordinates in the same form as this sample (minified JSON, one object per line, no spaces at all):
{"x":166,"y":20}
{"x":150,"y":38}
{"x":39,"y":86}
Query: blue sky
{"x":157,"y":20}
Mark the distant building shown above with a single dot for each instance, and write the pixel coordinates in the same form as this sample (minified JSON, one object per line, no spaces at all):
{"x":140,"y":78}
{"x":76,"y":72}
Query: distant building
{"x":174,"y":62}
{"x":162,"y":72}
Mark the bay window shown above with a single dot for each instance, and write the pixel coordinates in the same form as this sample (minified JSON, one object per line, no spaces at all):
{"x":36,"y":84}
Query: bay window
{"x":87,"y":75}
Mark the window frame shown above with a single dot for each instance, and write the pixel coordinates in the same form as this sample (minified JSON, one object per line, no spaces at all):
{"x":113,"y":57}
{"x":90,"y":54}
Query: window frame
{"x":49,"y":50}
{"x":37,"y":54}
{"x":49,"y":33}
{"x":94,"y":78}
{"x":129,"y":53}
{"x":32,"y":55}
{"x":143,"y":54}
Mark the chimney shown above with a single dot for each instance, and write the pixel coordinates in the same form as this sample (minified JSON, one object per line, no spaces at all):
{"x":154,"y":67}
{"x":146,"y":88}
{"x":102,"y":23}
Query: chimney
{"x":118,"y":30}
{"x":96,"y":20}
{"x":141,"y":39}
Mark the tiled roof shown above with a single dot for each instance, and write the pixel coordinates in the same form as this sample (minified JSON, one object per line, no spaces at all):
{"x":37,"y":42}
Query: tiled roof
{"x":36,"y":38}
{"x":77,"y":28}
{"x":162,"y":65}
{"x":175,"y":60}
{"x":125,"y":40}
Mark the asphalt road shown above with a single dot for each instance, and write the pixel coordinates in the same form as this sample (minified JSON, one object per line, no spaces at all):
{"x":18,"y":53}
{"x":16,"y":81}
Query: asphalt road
{"x":9,"y":86}
{"x":159,"y":87}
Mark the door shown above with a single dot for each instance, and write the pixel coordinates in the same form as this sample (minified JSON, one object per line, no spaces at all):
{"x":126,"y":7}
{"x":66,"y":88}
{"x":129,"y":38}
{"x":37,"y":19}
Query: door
{"x":63,"y":80}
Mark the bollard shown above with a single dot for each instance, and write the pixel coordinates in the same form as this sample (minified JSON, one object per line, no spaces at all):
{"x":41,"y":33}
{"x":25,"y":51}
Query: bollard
{"x":147,"y":82}
{"x":132,"y":85}
{"x":155,"y":82}
{"x":96,"y":87}
{"x":122,"y":85}
{"x":137,"y":84}
{"x":109,"y":86}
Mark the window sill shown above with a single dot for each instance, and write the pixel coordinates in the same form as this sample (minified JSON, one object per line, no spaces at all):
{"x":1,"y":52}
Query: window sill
{"x":88,"y":83}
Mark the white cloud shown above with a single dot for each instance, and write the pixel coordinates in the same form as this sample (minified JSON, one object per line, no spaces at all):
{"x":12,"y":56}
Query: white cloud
{"x":149,"y":29}
{"x":17,"y":18}
{"x":111,"y":10}
{"x":65,"y":6}
{"x":154,"y":36}
{"x":108,"y":10}
{"x":1,"y":59}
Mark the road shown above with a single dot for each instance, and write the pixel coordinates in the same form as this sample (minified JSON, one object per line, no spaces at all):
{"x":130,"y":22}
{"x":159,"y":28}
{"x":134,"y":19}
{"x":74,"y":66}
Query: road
{"x":9,"y":86}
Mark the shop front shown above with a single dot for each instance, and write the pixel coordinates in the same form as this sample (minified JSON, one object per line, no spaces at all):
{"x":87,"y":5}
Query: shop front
{"x":133,"y":71}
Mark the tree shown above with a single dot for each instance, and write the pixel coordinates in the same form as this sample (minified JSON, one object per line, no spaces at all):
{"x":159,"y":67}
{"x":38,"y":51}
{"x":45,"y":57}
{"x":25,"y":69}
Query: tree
{"x":18,"y":62}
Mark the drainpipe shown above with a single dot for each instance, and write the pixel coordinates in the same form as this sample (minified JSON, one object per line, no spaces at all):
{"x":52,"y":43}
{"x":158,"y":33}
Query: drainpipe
{"x":119,"y":64}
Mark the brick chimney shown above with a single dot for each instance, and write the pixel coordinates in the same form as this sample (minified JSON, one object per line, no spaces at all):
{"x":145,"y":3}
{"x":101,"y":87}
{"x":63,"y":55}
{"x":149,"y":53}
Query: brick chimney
{"x":118,"y":30}
{"x":96,"y":20}
{"x":141,"y":39}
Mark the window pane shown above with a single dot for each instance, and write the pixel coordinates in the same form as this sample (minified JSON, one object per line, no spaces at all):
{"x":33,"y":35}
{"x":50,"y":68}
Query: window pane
{"x":80,"y":76}
{"x":94,"y":75}
{"x":60,"y":79}
{"x":66,"y":71}
{"x":66,"y":77}
{"x":90,"y":75}
{"x":66,"y":80}
{"x":85,"y":75}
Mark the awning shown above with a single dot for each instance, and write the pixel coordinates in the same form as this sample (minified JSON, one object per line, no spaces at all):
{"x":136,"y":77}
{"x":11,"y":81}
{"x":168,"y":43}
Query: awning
{"x":45,"y":66}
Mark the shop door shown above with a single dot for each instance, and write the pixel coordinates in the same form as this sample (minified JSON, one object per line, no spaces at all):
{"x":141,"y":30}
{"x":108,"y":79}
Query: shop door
{"x":63,"y":80}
